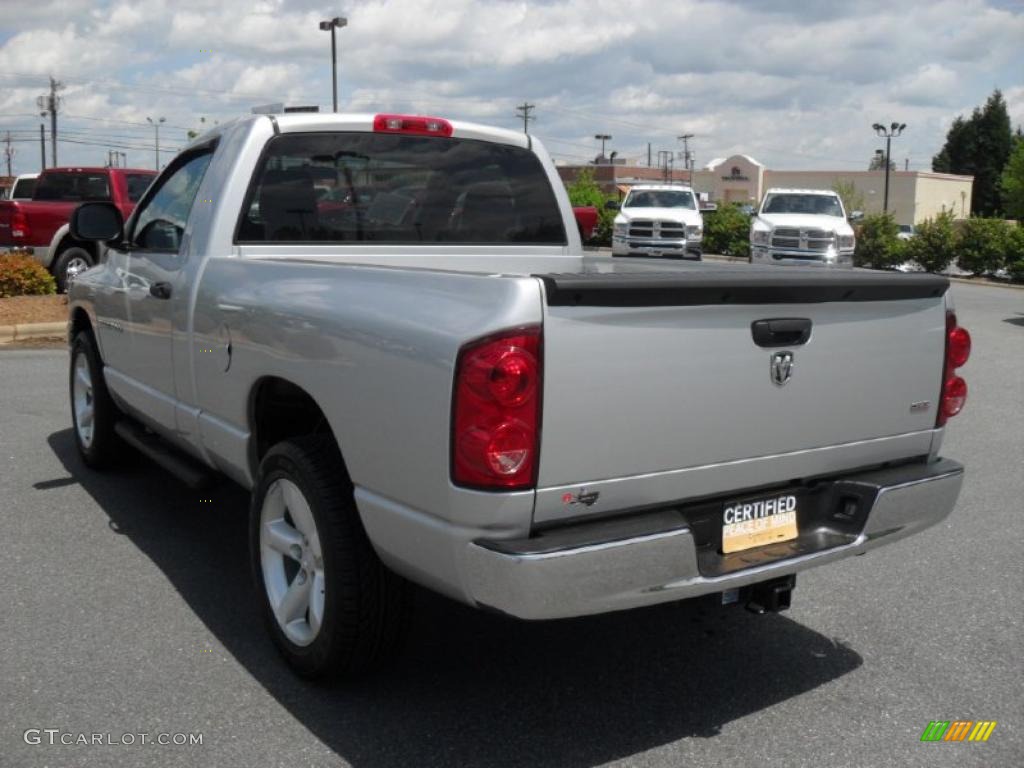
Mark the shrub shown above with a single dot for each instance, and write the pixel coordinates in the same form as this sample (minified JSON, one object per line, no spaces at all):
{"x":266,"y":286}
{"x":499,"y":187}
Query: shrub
{"x":21,"y":275}
{"x":934,"y":243}
{"x":878,"y":246}
{"x":727,"y":231}
{"x":982,"y":246}
{"x":1015,"y":252}
{"x":586,"y":191}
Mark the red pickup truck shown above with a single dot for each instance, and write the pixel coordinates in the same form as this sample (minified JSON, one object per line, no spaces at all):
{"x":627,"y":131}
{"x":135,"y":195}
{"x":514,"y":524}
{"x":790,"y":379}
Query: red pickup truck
{"x":40,"y":226}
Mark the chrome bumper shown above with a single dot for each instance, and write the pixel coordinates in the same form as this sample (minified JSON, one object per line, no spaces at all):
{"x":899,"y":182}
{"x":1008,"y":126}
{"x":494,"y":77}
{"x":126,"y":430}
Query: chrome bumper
{"x":624,"y":244}
{"x":652,"y":557}
{"x":782,"y":256}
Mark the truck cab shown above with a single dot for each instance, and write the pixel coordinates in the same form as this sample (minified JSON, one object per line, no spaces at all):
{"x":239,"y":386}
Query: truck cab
{"x":659,"y":220}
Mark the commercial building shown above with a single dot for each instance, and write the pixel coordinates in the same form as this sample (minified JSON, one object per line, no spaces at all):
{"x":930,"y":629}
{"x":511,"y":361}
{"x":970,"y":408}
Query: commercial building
{"x":913,"y":195}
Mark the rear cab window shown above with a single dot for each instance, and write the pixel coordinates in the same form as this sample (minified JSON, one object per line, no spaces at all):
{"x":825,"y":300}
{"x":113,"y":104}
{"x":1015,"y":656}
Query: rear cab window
{"x":24,"y":188}
{"x":352,"y":187}
{"x":73,"y":187}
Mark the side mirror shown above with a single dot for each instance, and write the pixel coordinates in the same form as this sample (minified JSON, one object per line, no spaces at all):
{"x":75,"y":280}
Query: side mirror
{"x":612,"y":205}
{"x":97,"y":222}
{"x":856,"y":215}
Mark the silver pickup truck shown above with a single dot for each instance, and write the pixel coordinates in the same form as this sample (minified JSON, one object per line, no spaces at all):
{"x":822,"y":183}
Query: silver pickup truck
{"x":385,"y":327}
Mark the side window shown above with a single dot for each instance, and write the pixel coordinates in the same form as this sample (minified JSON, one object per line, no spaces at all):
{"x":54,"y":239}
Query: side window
{"x":160,"y":222}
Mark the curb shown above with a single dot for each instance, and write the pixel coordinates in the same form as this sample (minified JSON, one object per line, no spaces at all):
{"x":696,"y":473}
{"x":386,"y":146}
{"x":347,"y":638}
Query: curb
{"x":985,"y":283}
{"x":9,"y":333}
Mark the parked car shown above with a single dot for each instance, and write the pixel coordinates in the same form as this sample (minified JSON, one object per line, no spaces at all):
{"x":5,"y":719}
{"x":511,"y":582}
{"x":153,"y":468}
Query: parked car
{"x":40,"y":226}
{"x":23,"y":187}
{"x":659,"y":220}
{"x":379,"y":382}
{"x":801,"y":226}
{"x":906,"y":231}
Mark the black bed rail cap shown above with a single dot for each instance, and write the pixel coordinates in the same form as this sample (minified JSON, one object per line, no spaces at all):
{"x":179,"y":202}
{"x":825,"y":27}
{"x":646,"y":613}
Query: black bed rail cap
{"x":736,"y":286}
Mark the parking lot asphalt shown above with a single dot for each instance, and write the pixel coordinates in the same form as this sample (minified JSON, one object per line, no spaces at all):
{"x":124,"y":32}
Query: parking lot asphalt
{"x":126,"y":607}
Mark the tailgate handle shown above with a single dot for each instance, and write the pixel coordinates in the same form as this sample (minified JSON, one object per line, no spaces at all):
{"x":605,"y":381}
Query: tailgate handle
{"x":781,"y":331}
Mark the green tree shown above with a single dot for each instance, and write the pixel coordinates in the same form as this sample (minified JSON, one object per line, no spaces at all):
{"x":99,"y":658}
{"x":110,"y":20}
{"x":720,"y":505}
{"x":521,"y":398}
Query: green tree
{"x":585,"y":191}
{"x":1011,"y":184}
{"x":727,"y":231}
{"x":852,"y":199}
{"x":979,"y":147}
{"x":982,"y":245}
{"x":878,"y":245}
{"x":957,"y":154}
{"x":934,"y":243}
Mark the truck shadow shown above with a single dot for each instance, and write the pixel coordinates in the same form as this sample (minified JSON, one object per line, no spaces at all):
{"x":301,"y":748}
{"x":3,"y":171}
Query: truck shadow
{"x":474,"y":688}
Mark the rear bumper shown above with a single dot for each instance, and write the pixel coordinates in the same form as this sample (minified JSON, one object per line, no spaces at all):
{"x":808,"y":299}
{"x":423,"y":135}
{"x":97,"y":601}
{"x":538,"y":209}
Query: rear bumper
{"x":654,"y":557}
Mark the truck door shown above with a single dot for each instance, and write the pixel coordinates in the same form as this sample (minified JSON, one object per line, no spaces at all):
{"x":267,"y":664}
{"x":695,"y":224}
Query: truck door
{"x":137,"y":319}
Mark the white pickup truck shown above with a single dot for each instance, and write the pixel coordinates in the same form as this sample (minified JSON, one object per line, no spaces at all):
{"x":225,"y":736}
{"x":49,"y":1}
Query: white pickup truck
{"x":385,"y":326}
{"x":658,"y":220}
{"x":801,"y":226}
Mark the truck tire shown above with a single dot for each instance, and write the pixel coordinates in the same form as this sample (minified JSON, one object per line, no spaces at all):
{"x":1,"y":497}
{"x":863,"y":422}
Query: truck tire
{"x":332,"y":608}
{"x":69,"y":263}
{"x":93,"y":412}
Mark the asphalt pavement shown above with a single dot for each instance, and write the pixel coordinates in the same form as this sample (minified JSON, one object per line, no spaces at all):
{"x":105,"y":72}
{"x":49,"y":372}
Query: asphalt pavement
{"x":126,"y":607}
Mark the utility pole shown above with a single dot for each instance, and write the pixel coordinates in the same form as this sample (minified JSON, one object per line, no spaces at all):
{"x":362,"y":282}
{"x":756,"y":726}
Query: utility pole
{"x":664,"y":162}
{"x":156,"y":125}
{"x":42,"y":146}
{"x":687,"y":157}
{"x":648,"y":154}
{"x":50,"y":103}
{"x":8,"y":152}
{"x":524,"y":110}
{"x":602,"y":137}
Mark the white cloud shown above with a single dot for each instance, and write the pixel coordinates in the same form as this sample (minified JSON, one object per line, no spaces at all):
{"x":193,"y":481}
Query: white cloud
{"x":792,"y":83}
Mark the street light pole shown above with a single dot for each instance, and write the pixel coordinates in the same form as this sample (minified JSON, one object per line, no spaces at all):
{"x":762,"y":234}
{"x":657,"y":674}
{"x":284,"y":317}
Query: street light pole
{"x":156,"y":125}
{"x":894,"y":130}
{"x":602,"y":137}
{"x":332,"y":25}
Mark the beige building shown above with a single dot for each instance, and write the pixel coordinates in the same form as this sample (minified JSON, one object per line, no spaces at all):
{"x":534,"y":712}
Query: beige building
{"x":913,"y":195}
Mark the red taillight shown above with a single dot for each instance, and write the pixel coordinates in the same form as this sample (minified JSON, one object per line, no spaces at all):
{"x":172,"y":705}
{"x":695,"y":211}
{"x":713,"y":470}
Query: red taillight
{"x":413,"y":124}
{"x":954,"y":388}
{"x":496,"y":411}
{"x":19,"y":224}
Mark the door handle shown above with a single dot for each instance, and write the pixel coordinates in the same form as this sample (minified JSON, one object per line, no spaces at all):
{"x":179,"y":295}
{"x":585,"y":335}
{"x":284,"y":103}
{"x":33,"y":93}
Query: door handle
{"x":781,"y":332}
{"x":160,"y":290}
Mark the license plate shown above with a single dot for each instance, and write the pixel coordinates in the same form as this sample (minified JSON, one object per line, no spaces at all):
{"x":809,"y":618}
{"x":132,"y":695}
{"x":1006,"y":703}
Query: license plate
{"x":756,"y":522}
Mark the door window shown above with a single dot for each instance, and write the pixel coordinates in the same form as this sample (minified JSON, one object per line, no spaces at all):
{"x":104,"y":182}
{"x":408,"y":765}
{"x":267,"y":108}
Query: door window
{"x":160,"y":222}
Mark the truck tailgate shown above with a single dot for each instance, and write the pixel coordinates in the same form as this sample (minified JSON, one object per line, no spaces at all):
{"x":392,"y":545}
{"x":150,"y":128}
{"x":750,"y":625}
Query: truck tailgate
{"x":655,"y":389}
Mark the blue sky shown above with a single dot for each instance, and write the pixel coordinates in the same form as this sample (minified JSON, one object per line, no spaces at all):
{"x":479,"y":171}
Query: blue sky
{"x":795,"y":84}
